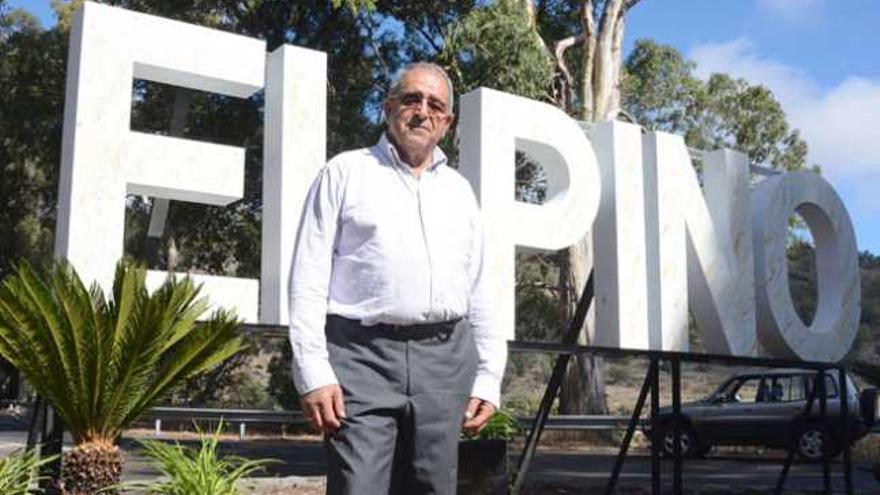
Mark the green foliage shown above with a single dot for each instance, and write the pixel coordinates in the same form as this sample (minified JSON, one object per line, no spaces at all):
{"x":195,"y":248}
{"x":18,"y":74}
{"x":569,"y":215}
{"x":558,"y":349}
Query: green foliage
{"x":281,"y":386}
{"x":19,"y":472}
{"x":661,"y":92}
{"x":539,"y":313}
{"x":501,"y":426}
{"x":494,"y":46}
{"x":659,"y":88}
{"x":187,"y":471}
{"x":802,"y":282}
{"x":355,"y":5}
{"x":101,"y":362}
{"x":235,"y":383}
{"x":32,"y":68}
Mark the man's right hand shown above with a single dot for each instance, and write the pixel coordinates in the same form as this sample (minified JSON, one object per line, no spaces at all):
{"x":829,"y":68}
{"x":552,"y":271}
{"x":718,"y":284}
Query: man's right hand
{"x":324,"y":408}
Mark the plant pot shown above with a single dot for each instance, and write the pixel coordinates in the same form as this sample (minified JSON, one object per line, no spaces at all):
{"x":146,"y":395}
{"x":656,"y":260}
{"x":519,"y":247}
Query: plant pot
{"x":482,"y":467}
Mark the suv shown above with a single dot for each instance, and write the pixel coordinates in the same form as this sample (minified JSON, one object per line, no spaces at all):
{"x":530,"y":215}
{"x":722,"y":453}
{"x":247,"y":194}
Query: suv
{"x":767,"y":408}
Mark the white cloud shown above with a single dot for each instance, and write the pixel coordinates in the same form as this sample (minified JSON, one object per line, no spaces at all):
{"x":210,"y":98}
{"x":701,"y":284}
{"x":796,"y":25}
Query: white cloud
{"x":793,"y":11}
{"x":739,"y":58}
{"x":841,"y":124}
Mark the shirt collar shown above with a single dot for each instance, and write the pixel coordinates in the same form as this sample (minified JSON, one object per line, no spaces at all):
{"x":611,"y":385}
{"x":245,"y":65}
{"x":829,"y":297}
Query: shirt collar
{"x":387,"y":149}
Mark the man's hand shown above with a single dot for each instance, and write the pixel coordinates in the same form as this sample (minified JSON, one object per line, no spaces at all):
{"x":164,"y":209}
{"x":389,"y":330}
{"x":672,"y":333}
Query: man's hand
{"x":477,"y":415}
{"x":324,"y":408}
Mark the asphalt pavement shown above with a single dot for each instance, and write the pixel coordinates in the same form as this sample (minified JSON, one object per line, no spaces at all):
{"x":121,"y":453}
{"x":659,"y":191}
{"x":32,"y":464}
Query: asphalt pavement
{"x":561,"y":471}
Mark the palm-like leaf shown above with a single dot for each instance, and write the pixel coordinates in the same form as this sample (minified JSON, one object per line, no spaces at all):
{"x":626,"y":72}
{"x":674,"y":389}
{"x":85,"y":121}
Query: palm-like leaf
{"x":102,"y":362}
{"x":19,"y":472}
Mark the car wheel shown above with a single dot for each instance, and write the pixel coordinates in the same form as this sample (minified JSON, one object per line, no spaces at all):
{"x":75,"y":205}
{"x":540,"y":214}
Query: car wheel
{"x":813,"y":441}
{"x":687,"y":441}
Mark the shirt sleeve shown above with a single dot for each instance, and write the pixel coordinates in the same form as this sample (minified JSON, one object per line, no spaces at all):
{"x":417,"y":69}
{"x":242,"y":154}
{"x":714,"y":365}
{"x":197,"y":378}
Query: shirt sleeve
{"x":310,"y":280}
{"x":491,"y":343}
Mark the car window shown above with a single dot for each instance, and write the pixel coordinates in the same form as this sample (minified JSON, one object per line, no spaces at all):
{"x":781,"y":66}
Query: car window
{"x":748,"y":390}
{"x":795,"y":388}
{"x":830,"y":386}
{"x":784,"y":389}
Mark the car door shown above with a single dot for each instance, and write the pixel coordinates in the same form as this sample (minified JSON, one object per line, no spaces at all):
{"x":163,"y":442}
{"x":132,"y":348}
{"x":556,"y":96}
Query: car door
{"x":732,"y":419}
{"x":773,"y":415}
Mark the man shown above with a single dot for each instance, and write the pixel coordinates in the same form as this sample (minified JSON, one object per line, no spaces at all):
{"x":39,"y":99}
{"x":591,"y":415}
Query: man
{"x":390,"y":255}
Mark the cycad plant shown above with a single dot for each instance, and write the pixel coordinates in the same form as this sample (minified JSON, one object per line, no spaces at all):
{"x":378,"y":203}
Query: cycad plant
{"x":18,"y":472}
{"x":100,"y":362}
{"x":188,"y":471}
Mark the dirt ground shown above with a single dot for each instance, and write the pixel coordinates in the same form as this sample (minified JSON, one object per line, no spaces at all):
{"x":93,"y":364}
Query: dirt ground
{"x":284,"y":486}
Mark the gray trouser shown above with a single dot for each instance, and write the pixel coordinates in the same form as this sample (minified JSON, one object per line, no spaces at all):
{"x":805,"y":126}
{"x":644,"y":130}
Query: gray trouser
{"x":405,"y":389}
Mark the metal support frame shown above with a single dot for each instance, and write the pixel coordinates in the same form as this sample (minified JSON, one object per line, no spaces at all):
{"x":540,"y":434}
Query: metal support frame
{"x":676,"y":427}
{"x":845,"y":422}
{"x":47,"y":432}
{"x":570,"y":338}
{"x":651,"y":384}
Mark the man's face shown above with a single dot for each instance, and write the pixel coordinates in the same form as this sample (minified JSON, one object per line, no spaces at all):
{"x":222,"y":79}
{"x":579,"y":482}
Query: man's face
{"x":419,"y":115}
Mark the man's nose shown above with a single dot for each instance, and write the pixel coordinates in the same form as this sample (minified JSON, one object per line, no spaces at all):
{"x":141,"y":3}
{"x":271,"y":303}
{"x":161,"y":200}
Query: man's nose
{"x":422,"y":108}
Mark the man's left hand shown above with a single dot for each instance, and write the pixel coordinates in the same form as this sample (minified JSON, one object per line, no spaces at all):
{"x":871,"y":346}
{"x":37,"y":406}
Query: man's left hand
{"x":477,"y":414}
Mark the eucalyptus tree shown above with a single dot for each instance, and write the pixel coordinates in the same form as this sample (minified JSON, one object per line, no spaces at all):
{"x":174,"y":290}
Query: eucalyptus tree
{"x":566,"y":52}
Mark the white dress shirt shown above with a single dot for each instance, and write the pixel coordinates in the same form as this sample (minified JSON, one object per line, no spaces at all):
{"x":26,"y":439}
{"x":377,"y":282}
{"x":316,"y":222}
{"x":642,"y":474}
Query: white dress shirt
{"x":379,"y":245}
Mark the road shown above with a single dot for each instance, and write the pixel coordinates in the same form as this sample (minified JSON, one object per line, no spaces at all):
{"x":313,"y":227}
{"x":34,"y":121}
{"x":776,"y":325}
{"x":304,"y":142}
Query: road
{"x":554,"y":471}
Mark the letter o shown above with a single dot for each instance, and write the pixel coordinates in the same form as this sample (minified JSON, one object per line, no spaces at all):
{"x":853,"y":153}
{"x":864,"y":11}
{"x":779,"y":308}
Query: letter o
{"x":780,"y":330}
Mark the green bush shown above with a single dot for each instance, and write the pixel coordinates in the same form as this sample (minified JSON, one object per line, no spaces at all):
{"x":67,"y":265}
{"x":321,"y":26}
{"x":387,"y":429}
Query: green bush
{"x":501,"y":426}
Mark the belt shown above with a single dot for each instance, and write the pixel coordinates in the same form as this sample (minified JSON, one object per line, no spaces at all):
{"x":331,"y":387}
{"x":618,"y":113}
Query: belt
{"x":414,"y":331}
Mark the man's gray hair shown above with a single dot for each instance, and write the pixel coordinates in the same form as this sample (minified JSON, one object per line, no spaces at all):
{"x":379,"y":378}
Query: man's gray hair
{"x":429,"y":66}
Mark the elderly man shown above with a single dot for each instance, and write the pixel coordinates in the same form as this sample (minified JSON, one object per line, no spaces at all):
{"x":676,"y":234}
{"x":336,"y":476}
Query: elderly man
{"x":390,"y":256}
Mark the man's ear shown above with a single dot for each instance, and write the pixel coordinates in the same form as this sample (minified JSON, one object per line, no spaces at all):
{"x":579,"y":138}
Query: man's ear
{"x":386,"y":108}
{"x":448,"y":121}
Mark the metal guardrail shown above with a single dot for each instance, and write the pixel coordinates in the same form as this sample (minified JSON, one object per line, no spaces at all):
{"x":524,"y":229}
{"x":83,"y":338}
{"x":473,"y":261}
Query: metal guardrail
{"x":578,"y":422}
{"x":242,"y":417}
{"x":295,"y":418}
{"x":565,"y":422}
{"x":230,"y":415}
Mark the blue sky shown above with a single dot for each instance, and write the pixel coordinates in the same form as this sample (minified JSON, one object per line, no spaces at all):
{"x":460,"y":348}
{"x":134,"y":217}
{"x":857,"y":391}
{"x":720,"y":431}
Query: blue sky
{"x":819,"y":57}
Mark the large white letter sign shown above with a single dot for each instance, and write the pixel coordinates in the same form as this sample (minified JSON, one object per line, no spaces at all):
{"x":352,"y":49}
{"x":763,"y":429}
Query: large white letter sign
{"x":102,"y":159}
{"x":716,"y":273}
{"x":493,"y":126}
{"x":295,"y":137}
{"x":836,"y":322}
{"x":619,"y":239}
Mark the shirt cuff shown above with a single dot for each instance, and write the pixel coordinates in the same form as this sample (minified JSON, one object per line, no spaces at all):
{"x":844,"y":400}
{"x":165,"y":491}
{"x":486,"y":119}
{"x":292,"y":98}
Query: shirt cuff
{"x":487,"y":388}
{"x":313,"y":375}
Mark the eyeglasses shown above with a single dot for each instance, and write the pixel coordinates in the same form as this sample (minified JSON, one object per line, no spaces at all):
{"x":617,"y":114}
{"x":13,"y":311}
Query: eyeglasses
{"x":435,"y":108}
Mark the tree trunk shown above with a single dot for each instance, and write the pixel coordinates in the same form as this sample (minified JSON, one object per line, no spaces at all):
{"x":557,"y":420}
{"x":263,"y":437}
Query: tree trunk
{"x":92,"y":467}
{"x":583,"y":388}
{"x":161,"y":207}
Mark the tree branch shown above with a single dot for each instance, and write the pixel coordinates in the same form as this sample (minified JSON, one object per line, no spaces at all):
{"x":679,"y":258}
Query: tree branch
{"x":616,"y":60}
{"x":429,"y":39}
{"x":630,"y":4}
{"x":371,"y":30}
{"x":603,"y":80}
{"x":588,"y":24}
{"x":559,"y":50}
{"x":530,"y":11}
